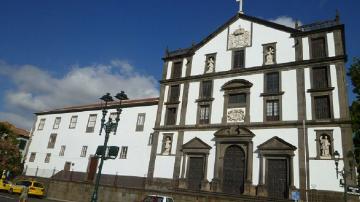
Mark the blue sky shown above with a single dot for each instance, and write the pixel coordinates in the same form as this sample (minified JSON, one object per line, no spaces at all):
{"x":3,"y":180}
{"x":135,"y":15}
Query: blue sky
{"x":60,"y":53}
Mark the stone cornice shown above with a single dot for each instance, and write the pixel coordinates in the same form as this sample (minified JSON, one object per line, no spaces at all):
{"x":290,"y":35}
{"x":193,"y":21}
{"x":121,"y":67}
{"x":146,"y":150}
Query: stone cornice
{"x":259,"y":125}
{"x":259,"y":69}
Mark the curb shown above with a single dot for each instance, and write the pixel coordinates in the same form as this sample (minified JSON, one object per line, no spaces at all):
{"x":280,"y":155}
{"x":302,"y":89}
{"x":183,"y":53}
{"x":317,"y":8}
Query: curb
{"x":60,"y":200}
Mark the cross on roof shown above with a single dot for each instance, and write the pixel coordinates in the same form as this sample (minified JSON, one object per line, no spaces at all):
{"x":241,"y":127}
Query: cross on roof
{"x":240,"y":6}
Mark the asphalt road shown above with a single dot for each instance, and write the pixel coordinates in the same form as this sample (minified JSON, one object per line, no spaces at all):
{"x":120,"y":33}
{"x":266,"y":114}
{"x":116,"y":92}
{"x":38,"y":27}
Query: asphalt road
{"x":4,"y":197}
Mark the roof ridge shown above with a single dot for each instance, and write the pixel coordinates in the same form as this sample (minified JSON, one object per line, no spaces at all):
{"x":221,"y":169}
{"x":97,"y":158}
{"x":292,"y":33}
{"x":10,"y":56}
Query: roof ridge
{"x":94,"y":106}
{"x":191,"y":49}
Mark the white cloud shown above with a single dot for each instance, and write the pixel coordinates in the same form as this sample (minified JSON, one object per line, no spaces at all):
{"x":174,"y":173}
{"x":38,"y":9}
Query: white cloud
{"x":18,"y":120}
{"x":37,"y":90}
{"x":286,"y":21}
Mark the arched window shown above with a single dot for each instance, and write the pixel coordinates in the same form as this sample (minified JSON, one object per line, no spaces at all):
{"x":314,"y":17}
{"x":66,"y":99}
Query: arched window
{"x":236,"y":101}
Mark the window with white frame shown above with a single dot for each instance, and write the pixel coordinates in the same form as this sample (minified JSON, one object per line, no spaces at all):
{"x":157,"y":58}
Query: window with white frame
{"x":52,"y":141}
{"x":73,"y":122}
{"x":151,"y":136}
{"x":140,"y":122}
{"x":272,"y":110}
{"x":62,"y":150}
{"x":83,"y":151}
{"x":47,"y":158}
{"x":123,"y":153}
{"x":57,"y":122}
{"x":41,"y":124}
{"x":91,"y":123}
{"x":32,"y":156}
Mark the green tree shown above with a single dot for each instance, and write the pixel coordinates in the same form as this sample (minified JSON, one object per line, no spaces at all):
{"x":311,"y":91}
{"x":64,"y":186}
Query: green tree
{"x":354,"y":73}
{"x":10,"y":157}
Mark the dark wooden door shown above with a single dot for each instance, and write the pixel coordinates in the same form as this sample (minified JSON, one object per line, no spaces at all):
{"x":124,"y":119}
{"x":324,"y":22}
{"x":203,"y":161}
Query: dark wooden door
{"x":196,"y":173}
{"x":67,"y":166}
{"x":93,"y":164}
{"x":234,"y":170}
{"x":277,"y":178}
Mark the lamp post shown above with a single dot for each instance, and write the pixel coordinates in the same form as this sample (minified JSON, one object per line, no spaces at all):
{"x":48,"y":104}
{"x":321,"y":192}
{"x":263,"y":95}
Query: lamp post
{"x":344,"y":172}
{"x":109,"y":126}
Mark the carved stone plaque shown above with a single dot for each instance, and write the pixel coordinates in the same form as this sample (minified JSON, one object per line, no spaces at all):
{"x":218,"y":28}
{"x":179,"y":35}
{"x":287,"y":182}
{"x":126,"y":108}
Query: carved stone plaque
{"x":235,"y":115}
{"x":239,"y":38}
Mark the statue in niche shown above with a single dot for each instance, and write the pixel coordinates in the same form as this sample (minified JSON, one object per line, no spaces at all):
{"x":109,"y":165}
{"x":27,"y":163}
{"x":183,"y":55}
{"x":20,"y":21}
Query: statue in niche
{"x":210,"y":65}
{"x":270,"y":56}
{"x":167,"y":146}
{"x":325,"y":146}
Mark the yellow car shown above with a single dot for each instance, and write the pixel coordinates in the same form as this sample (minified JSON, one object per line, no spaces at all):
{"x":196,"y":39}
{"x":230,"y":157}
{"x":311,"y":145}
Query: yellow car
{"x":35,"y":188}
{"x":4,"y":185}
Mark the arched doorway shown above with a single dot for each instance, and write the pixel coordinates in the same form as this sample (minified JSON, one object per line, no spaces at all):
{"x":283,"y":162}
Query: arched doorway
{"x":234,"y":170}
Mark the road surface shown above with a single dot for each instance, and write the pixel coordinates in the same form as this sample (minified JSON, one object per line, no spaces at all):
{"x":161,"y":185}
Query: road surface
{"x":4,"y":197}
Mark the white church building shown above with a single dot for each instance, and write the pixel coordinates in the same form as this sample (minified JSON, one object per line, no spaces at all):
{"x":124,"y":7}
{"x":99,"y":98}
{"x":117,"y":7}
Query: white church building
{"x":256,"y":108}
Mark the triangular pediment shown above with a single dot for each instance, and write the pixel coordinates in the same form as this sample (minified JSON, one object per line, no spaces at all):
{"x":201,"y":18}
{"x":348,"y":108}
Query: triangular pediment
{"x":276,"y":143}
{"x":196,"y":143}
{"x":190,"y":51}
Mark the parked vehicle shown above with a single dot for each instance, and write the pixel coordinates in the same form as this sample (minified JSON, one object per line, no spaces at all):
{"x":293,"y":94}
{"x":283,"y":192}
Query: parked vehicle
{"x":35,"y":188}
{"x":157,"y":198}
{"x":4,"y":185}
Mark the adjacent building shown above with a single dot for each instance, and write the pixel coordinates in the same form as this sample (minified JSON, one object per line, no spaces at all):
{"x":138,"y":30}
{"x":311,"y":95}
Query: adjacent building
{"x":22,"y":136}
{"x":256,"y":108}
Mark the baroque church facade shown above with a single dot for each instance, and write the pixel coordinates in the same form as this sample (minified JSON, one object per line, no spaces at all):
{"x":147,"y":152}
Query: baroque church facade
{"x":256,"y":108}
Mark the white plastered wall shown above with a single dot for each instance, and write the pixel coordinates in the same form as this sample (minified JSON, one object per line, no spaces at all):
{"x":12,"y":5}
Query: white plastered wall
{"x":289,"y":98}
{"x":322,"y":172}
{"x":207,"y":137}
{"x":261,"y":34}
{"x":290,"y":135}
{"x":75,"y":139}
{"x":164,"y":164}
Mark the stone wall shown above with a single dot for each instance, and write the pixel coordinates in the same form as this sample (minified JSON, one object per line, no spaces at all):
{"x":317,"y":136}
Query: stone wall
{"x":81,"y":192}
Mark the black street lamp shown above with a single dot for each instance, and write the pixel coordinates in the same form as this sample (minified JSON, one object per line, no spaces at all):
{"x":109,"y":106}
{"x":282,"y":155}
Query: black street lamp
{"x":104,"y":152}
{"x":344,"y":173}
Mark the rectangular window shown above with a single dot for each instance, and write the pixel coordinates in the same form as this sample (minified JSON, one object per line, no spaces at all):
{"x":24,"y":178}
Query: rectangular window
{"x":174,"y":93}
{"x":52,"y":140}
{"x":171,"y":116}
{"x":320,"y":77}
{"x":206,"y":89}
{"x":236,"y":100}
{"x":140,"y":122}
{"x":83,"y":151}
{"x":91,"y":123}
{"x":73,"y":121}
{"x":123,"y":152}
{"x":204,"y":114}
{"x":57,"y":122}
{"x":22,"y":144}
{"x":318,"y":47}
{"x":322,"y":107}
{"x":62,"y":150}
{"x":272,"y":82}
{"x":41,"y":124}
{"x":272,"y":110}
{"x":150,"y":138}
{"x":238,"y":59}
{"x":32,"y":157}
{"x":47,"y":158}
{"x":176,"y":72}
